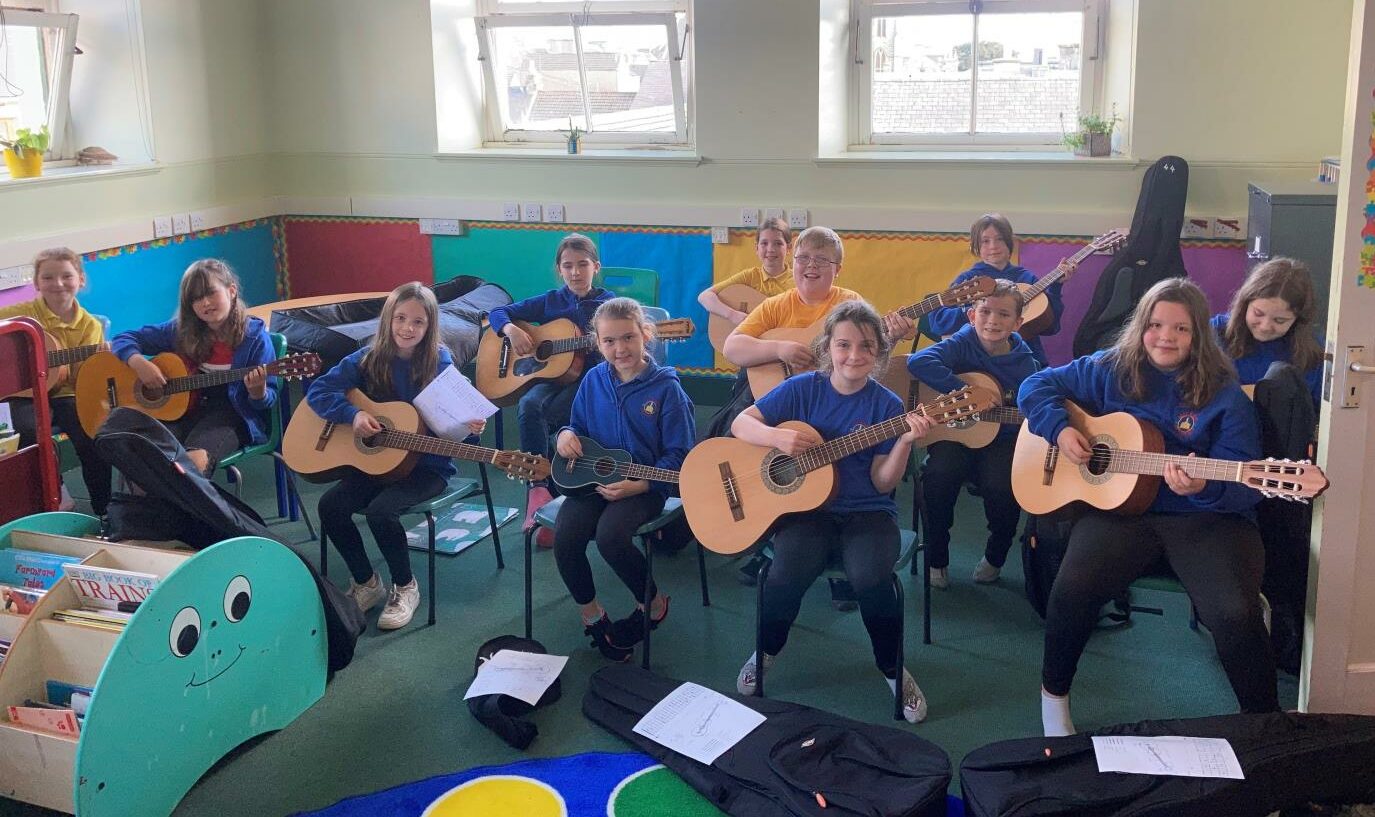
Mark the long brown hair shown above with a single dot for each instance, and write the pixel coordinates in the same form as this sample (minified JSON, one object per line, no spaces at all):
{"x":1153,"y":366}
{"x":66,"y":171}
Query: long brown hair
{"x":1289,"y":280}
{"x":376,"y":364}
{"x":194,"y":336}
{"x":865,"y":318}
{"x":1205,"y":371}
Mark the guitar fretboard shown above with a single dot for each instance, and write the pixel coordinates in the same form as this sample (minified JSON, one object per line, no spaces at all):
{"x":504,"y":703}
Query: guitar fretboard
{"x":76,"y":354}
{"x":1122,"y":461}
{"x":410,"y":441}
{"x":589,"y":341}
{"x":632,"y":470}
{"x":1059,"y":272}
{"x":855,"y":441}
{"x":925,"y":306}
{"x":1005,"y":415}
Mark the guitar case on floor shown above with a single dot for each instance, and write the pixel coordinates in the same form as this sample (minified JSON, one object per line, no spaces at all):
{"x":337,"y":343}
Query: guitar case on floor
{"x":1289,"y":760}
{"x":780,"y":767}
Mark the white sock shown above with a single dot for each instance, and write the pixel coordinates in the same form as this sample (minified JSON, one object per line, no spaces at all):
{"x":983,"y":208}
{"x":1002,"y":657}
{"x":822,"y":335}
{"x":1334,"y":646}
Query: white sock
{"x":1055,"y":720}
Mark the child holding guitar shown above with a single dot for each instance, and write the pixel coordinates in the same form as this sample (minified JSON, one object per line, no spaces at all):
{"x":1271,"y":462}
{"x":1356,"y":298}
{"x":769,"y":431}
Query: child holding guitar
{"x":405,"y":356}
{"x":627,"y":402}
{"x":860,"y":521}
{"x":773,"y":276}
{"x":545,"y":405}
{"x":989,"y":343}
{"x":1165,"y":369}
{"x":58,"y":277}
{"x":211,"y":331}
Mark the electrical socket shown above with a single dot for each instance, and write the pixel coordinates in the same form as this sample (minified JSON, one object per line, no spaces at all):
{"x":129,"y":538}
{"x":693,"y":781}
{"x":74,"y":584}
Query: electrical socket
{"x":1229,"y":228}
{"x":749,"y":217}
{"x":553,"y":213}
{"x":198,"y":222}
{"x":1197,"y":227}
{"x":162,"y":227}
{"x":510,"y":212}
{"x":530,"y":212}
{"x":181,"y":224}
{"x":772,"y":212}
{"x":16,"y":276}
{"x":797,"y":218}
{"x":720,"y":235}
{"x":441,"y":226}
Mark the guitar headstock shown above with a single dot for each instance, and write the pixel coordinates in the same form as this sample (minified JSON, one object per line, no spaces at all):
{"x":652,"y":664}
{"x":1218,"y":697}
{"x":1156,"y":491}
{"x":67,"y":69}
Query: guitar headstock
{"x":960,"y":404}
{"x":1285,"y":479}
{"x":522,"y":466}
{"x":296,"y":366}
{"x":1111,"y":241}
{"x":674,"y":329}
{"x":968,"y":292}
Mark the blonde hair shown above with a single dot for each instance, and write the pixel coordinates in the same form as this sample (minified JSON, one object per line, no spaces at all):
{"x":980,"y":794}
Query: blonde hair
{"x":1005,"y":289}
{"x":58,"y":254}
{"x":1289,"y":280}
{"x":997,"y":221}
{"x":865,"y":318}
{"x":1205,"y":371}
{"x":821,"y":238}
{"x":194,"y":336}
{"x":377,"y":363}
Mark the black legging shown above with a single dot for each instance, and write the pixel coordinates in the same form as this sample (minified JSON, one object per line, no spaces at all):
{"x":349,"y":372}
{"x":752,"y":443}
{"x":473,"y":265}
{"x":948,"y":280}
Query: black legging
{"x":213,"y":426}
{"x":1219,"y":559}
{"x":381,"y":503}
{"x":613,"y":525}
{"x":94,"y":470}
{"x":948,"y":466}
{"x":868,"y":545}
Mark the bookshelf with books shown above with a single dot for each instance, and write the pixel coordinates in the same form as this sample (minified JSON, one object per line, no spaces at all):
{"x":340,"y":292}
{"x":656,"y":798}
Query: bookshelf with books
{"x":227,"y":644}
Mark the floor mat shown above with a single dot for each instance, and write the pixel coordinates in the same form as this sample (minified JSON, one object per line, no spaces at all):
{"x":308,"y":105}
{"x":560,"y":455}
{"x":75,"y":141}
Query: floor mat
{"x":457,"y":528}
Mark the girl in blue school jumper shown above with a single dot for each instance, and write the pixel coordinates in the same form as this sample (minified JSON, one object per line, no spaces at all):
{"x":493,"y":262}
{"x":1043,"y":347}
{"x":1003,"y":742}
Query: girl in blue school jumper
{"x":990,"y":344}
{"x":859,"y":523}
{"x":628,"y":402}
{"x":405,"y":356}
{"x":1166,"y":370}
{"x":211,"y":331}
{"x":992,"y":240}
{"x":1271,"y":321}
{"x":545,"y":405}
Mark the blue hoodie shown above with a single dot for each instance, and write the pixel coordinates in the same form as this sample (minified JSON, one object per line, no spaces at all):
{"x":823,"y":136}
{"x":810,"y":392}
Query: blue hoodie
{"x":1226,"y":428}
{"x":961,"y":353}
{"x":551,"y":306}
{"x":946,"y":320}
{"x":651,"y":417}
{"x":255,"y":350}
{"x":327,"y":396}
{"x":1252,"y":368}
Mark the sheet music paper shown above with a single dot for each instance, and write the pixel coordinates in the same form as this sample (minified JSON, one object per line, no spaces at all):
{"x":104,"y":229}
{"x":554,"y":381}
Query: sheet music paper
{"x":523,"y":675}
{"x":1177,"y":756}
{"x":698,"y":722}
{"x":450,"y":402}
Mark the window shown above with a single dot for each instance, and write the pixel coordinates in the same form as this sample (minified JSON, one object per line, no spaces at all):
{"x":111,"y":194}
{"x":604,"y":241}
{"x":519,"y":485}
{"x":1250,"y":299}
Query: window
{"x":977,"y":73}
{"x":615,"y":69}
{"x":36,"y":52}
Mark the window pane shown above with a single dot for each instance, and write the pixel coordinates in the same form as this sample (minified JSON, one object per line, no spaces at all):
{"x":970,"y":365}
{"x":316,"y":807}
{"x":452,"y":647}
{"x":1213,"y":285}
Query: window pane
{"x":1029,"y":68}
{"x":537,"y":67}
{"x":24,"y":81}
{"x":921,"y":73}
{"x":628,"y":80}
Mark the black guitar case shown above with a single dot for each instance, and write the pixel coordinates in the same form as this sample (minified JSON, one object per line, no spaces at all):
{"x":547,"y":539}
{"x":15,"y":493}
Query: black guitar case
{"x":1151,"y":254}
{"x":780,"y":767}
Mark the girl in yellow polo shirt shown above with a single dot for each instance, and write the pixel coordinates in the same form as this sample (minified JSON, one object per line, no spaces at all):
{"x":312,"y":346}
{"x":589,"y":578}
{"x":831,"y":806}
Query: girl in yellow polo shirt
{"x":58,"y":276}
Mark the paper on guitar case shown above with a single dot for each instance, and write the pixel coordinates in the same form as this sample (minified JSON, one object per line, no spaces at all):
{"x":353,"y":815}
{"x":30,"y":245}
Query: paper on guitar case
{"x":1167,"y":755}
{"x":449,"y":403}
{"x":698,"y":722}
{"x":523,"y":675}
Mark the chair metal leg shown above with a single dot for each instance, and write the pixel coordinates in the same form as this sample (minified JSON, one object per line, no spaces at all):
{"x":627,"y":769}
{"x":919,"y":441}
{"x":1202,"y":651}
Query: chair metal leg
{"x":925,"y":594}
{"x":529,"y":584}
{"x":491,"y":515}
{"x":235,"y":477}
{"x":429,"y":522}
{"x":324,"y":553}
{"x":902,"y":634}
{"x":649,"y":584}
{"x":762,"y":577}
{"x":702,"y":574}
{"x":285,"y":508}
{"x":294,"y":492}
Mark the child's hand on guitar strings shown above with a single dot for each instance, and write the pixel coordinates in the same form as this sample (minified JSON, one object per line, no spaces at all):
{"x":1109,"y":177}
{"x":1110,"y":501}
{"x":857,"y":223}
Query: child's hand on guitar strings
{"x":624,"y":489}
{"x":1180,"y":482}
{"x":917,"y":425}
{"x":148,"y":374}
{"x":256,"y":383}
{"x":1068,"y":268}
{"x":898,"y":326}
{"x":793,"y":441}
{"x":568,"y":445}
{"x":365,"y":425}
{"x":520,"y":339}
{"x":795,"y":354}
{"x":1074,"y":446}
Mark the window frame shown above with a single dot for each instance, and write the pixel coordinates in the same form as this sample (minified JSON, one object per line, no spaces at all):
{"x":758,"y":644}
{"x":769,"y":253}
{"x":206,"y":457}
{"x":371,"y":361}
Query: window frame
{"x":59,"y":99}
{"x":863,"y":12}
{"x":497,"y":14}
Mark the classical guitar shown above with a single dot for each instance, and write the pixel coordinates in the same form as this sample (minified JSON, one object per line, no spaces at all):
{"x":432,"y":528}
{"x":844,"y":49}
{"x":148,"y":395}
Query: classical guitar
{"x":602,"y":466}
{"x":1036,"y":313}
{"x":765,"y":376}
{"x":975,"y":431}
{"x":60,"y":361}
{"x":321,"y":451}
{"x":736,"y":296}
{"x":1123,"y":474}
{"x":502,"y":373}
{"x":105,"y":381}
{"x":733,"y":491}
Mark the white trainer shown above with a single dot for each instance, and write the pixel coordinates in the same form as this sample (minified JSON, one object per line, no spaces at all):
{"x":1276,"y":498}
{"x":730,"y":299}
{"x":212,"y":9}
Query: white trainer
{"x":913,"y":699}
{"x":369,"y":594}
{"x":940,"y":577}
{"x":985,"y":572}
{"x":748,"y":679}
{"x":400,"y":606}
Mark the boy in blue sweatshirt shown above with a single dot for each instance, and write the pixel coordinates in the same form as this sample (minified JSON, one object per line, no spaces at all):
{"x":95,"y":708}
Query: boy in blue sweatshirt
{"x":988,"y":343}
{"x":627,"y":402}
{"x":1166,"y":370}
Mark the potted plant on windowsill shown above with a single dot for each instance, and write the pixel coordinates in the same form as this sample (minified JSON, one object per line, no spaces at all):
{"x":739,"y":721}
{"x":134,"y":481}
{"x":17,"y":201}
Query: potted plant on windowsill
{"x":574,"y":137}
{"x":1093,"y":136}
{"x":24,"y":153}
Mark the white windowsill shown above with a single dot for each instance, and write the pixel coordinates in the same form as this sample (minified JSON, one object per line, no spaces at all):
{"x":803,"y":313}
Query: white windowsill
{"x":77,"y":173}
{"x":991,"y":158}
{"x":648,"y":156}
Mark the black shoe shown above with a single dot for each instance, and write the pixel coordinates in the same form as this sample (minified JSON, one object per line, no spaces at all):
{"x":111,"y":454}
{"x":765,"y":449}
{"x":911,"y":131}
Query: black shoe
{"x":749,"y":571}
{"x":843,"y":596}
{"x":629,"y":631}
{"x":601,"y":639}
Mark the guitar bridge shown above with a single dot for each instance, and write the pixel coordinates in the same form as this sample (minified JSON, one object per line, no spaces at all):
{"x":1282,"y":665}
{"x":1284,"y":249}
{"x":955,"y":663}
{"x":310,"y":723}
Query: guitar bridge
{"x":732,"y":496}
{"x":1048,"y":467}
{"x":504,"y":360}
{"x":111,"y":393}
{"x":325,"y":434}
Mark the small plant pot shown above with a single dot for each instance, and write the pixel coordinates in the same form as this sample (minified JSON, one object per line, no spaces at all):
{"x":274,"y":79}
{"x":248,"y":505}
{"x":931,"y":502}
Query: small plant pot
{"x":574,"y":144}
{"x":1095,"y":144}
{"x":27,"y":166}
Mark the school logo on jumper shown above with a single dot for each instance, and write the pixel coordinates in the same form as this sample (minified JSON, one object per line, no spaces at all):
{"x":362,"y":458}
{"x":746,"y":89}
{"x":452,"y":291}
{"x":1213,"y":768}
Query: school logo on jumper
{"x":650,"y":408}
{"x":1185,"y":423}
{"x":858,"y":426}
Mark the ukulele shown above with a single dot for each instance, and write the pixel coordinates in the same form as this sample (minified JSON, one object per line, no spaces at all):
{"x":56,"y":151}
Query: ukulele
{"x":1123,"y":475}
{"x":733,"y":491}
{"x":975,"y":431}
{"x":105,"y":381}
{"x":736,"y":296}
{"x":1036,"y":313}
{"x":601,"y":466}
{"x":321,"y":451}
{"x":502,"y":373}
{"x":765,"y":376}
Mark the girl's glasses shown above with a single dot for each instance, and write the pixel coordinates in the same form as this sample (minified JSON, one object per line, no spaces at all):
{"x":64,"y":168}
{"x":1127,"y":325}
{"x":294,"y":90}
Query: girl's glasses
{"x":814,"y":261}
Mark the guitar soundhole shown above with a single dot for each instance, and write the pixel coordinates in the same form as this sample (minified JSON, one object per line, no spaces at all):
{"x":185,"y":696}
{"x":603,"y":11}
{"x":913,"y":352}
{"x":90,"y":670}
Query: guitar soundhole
{"x":544,"y":349}
{"x":779,"y":472}
{"x":151,"y":396}
{"x":1097,"y":466}
{"x":604,"y":467}
{"x":369,"y":445}
{"x":527,"y":366}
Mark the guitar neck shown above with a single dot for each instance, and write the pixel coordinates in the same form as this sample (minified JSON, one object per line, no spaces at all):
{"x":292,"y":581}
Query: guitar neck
{"x":582,"y":343}
{"x":633,"y":470}
{"x":76,"y":354}
{"x":844,"y":446}
{"x":1122,"y":461}
{"x":1005,"y":415}
{"x":410,"y":441}
{"x":1056,"y":274}
{"x":925,"y":306}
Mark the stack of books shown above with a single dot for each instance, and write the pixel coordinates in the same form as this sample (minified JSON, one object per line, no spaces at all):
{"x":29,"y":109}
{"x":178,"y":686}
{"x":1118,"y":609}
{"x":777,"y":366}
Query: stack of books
{"x":1330,"y":170}
{"x":108,"y":596}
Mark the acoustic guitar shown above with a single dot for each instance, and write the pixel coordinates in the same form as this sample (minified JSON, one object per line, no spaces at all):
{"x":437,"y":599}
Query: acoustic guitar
{"x":502,"y":373}
{"x":1123,"y":474}
{"x":736,"y":296}
{"x":105,"y":381}
{"x":733,"y":491}
{"x":321,"y":451}
{"x":1036,"y":312}
{"x":60,"y":362}
{"x":602,"y":466}
{"x":975,"y":431}
{"x":765,"y":376}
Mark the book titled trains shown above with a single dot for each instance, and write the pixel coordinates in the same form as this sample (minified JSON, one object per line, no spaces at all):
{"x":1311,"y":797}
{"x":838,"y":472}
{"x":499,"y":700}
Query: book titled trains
{"x":105,"y":588}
